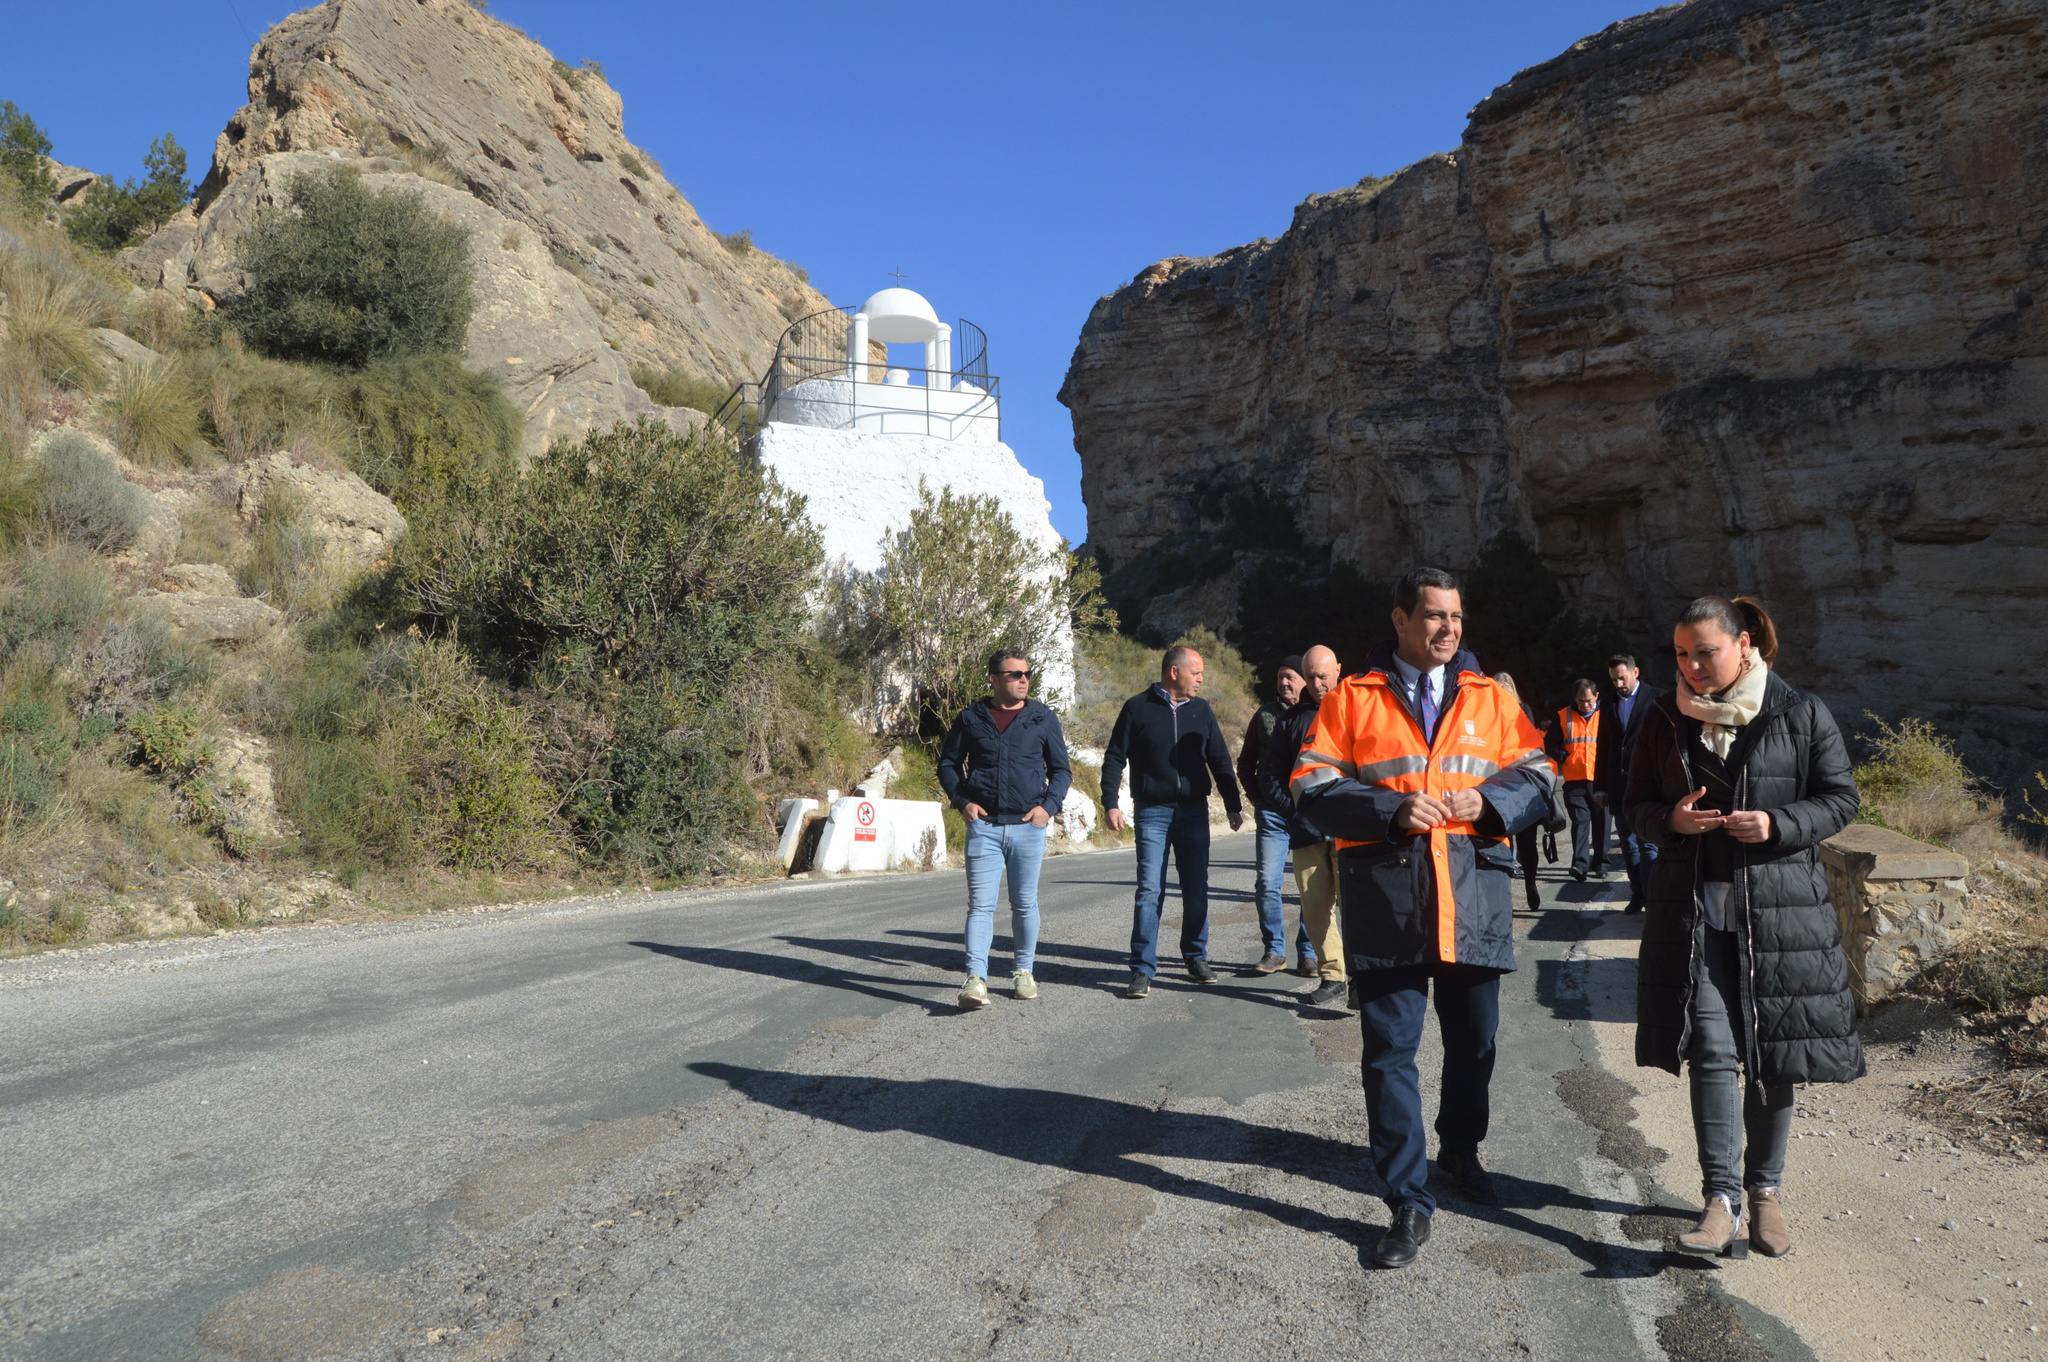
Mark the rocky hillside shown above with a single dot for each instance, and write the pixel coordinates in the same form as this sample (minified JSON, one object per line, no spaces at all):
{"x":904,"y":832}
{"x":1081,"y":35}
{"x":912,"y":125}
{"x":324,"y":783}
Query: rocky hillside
{"x":438,"y":88}
{"x":1738,"y":295}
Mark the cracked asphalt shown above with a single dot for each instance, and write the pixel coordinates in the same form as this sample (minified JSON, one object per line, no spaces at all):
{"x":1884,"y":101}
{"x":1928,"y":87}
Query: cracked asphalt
{"x":753,"y":1125}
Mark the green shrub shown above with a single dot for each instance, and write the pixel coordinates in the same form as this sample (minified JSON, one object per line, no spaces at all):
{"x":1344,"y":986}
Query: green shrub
{"x":48,"y":599}
{"x":171,"y":743}
{"x":1915,"y":782}
{"x":740,"y":243}
{"x":82,"y":497}
{"x":633,"y":164}
{"x":347,"y":275}
{"x":482,"y":803}
{"x":153,"y":412}
{"x":341,"y":770}
{"x":17,"y":499}
{"x":416,"y":413}
{"x":32,"y":744}
{"x":674,"y":388}
{"x":655,"y":573}
{"x":114,"y":215}
{"x":958,"y":580}
{"x":23,"y":146}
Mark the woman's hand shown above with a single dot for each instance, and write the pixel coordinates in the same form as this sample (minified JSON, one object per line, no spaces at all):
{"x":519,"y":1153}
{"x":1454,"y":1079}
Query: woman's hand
{"x":1688,"y":822}
{"x":1748,"y":825}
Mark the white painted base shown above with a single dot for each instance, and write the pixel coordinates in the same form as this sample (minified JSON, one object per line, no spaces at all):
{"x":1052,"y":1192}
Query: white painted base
{"x":882,"y":834}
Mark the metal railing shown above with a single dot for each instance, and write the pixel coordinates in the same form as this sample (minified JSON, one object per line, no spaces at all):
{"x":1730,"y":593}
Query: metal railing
{"x":810,"y":367}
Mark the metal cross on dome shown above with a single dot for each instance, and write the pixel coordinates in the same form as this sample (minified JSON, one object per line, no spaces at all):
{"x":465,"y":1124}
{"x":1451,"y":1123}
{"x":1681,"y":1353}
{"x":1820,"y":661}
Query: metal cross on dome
{"x":899,"y":275}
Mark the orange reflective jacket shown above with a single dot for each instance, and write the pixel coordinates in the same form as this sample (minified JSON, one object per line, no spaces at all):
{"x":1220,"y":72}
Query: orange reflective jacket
{"x":1365,"y":732}
{"x":1581,"y":733}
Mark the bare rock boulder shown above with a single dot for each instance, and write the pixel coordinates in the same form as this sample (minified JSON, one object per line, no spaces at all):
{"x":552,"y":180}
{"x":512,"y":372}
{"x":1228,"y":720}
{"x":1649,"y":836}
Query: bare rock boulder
{"x":226,"y":620}
{"x":357,"y":523}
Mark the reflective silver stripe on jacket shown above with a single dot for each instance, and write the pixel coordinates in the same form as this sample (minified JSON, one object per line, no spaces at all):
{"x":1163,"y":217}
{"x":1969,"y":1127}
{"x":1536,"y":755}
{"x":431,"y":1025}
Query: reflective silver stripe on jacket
{"x":1322,"y":775}
{"x":1373,"y":772}
{"x":1309,"y":758}
{"x":1470,"y":766}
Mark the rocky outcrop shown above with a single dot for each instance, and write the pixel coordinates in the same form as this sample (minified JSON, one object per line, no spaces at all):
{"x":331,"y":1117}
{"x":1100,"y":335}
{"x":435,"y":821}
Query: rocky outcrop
{"x":478,"y":103}
{"x":356,"y":524}
{"x":534,"y":328}
{"x":1739,"y":295}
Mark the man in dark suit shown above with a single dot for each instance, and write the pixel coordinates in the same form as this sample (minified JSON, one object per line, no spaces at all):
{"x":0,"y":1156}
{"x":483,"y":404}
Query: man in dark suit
{"x":1621,"y":715}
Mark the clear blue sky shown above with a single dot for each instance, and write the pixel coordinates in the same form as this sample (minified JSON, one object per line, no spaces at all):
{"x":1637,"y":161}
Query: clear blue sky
{"x":1016,"y":161}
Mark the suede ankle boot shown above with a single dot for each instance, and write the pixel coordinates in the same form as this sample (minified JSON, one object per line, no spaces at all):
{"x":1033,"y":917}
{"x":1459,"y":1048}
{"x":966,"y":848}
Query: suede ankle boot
{"x":1719,"y":1232}
{"x":1768,"y":1232}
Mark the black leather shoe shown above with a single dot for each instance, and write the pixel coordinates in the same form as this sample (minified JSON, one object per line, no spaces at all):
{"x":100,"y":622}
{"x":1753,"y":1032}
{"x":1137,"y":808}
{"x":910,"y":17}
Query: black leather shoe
{"x":1474,"y":1183}
{"x":1403,"y":1240}
{"x":1329,"y":993}
{"x":1200,"y":973}
{"x":1633,"y":907}
{"x":1535,"y":901}
{"x":1578,"y":875}
{"x":1140,"y":985}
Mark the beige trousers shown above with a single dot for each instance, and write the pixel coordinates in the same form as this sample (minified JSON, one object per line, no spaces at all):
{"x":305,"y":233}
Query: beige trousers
{"x":1315,"y":879}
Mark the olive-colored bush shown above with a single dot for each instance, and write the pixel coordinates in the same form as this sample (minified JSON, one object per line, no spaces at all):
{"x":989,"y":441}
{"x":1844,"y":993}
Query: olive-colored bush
{"x":82,"y":497}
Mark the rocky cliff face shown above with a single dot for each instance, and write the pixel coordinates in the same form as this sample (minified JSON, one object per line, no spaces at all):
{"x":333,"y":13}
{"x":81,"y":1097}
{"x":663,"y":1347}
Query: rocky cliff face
{"x":541,"y":143}
{"x":1736,"y":296}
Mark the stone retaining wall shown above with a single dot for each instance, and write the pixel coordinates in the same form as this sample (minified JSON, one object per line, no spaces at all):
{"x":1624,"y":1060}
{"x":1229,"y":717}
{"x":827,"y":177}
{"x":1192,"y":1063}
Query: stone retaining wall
{"x":1901,"y":903}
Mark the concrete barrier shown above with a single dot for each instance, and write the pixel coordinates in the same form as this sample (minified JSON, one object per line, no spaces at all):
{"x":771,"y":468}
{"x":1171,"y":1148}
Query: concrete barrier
{"x":881,"y":834}
{"x":1900,"y":901}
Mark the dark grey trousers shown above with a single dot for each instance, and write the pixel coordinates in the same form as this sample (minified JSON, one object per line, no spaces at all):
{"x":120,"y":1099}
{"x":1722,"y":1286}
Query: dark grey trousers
{"x":1724,"y":1108}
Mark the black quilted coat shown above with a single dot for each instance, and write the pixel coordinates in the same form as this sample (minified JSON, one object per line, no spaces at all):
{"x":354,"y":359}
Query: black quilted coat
{"x":1790,"y":762}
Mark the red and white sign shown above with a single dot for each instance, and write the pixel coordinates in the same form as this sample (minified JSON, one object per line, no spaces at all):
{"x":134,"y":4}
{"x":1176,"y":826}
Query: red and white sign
{"x":865,"y":813}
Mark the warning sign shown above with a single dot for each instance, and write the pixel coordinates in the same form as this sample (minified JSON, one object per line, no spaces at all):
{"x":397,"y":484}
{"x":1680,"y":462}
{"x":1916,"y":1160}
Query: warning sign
{"x":866,"y":814}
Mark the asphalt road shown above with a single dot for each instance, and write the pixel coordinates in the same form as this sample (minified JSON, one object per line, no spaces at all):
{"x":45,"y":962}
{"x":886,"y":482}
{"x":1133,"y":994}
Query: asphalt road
{"x":753,"y":1125}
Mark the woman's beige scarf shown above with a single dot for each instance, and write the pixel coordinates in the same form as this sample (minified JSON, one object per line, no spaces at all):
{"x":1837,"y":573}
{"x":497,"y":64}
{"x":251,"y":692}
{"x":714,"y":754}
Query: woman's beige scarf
{"x":1722,"y":715}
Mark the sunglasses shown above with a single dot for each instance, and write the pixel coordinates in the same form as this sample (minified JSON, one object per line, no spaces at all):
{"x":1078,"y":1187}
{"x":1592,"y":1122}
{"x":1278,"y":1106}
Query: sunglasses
{"x":1013,"y":676}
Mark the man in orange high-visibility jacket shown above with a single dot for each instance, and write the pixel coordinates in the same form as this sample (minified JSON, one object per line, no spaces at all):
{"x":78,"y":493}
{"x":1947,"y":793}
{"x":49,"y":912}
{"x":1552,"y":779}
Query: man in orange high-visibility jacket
{"x":1573,"y":743}
{"x":1423,"y":769}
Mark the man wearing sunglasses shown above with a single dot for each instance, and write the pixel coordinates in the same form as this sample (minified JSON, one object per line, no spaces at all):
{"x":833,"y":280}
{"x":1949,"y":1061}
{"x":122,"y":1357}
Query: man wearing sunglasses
{"x":1004,"y":766}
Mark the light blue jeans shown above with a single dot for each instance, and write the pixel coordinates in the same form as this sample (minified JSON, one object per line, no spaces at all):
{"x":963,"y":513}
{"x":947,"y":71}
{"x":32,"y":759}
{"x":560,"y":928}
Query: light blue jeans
{"x":1273,"y":870}
{"x":992,"y":849}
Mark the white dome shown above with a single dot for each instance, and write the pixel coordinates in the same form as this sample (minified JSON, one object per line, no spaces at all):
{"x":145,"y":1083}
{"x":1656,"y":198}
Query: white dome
{"x":900,"y":317}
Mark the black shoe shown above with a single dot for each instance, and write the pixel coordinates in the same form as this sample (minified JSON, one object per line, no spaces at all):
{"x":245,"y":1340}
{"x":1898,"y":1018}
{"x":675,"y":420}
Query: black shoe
{"x":1329,"y":993}
{"x":1633,"y":907}
{"x":1200,"y":973}
{"x":1474,"y":1183}
{"x":1140,"y":985}
{"x":1535,"y":902}
{"x":1578,"y":874}
{"x":1403,"y":1240}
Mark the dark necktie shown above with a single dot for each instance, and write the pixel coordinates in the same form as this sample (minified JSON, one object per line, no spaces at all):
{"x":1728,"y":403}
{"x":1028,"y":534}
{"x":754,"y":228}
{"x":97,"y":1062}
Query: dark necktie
{"x":1425,"y":705}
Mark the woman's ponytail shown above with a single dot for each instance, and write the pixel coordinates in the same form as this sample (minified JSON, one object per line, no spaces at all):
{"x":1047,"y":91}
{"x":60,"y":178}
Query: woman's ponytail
{"x":1763,"y":634}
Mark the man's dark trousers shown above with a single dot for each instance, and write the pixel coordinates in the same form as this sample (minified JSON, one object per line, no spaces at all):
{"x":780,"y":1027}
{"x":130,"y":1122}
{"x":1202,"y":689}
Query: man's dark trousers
{"x":1637,"y":856}
{"x":1589,"y":826}
{"x":1392,"y":1007}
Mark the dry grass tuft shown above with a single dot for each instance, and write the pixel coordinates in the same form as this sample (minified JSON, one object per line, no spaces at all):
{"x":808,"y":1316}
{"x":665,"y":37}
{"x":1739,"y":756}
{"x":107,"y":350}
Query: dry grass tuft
{"x":50,"y":320}
{"x":153,"y":414}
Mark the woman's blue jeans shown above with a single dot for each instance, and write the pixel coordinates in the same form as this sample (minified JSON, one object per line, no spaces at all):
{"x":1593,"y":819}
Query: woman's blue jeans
{"x":993,"y":849}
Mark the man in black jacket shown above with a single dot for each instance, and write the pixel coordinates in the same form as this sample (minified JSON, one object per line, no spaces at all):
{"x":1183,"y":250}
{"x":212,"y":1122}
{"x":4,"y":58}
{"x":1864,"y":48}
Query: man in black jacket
{"x":1621,"y":718}
{"x":1315,"y":867}
{"x":1172,"y":746}
{"x":1004,"y":766}
{"x":1270,"y":820}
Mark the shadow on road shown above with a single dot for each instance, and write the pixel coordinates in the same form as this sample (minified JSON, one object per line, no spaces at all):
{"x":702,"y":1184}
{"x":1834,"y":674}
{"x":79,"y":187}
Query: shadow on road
{"x":803,"y":972}
{"x":1105,"y":1137}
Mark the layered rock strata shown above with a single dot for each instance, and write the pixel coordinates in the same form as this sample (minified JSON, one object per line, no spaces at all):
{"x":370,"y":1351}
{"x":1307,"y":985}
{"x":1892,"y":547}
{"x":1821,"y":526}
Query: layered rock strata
{"x":1736,"y":296}
{"x":443,"y":83}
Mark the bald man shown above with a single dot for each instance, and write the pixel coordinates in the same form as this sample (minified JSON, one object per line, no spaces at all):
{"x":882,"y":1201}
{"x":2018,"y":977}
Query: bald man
{"x":1315,"y":871}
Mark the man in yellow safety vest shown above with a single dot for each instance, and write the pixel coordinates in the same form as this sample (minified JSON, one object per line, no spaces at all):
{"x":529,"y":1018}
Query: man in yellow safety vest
{"x":1422,"y":769}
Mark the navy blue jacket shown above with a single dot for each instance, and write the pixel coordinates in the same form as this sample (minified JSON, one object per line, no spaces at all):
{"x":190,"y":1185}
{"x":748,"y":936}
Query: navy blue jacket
{"x":1172,"y":753}
{"x":1009,"y":772}
{"x":1614,"y":744}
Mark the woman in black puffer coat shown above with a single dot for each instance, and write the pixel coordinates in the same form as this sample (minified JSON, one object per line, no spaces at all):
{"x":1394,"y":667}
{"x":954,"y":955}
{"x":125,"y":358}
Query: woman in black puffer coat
{"x":1737,"y":778}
